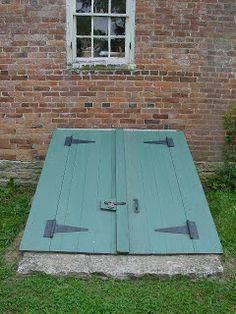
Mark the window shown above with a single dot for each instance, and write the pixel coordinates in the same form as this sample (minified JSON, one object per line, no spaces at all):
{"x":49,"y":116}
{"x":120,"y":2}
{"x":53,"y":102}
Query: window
{"x":100,"y":31}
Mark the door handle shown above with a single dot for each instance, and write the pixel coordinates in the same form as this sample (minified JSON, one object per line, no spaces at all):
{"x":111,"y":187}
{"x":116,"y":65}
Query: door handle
{"x":136,"y":206}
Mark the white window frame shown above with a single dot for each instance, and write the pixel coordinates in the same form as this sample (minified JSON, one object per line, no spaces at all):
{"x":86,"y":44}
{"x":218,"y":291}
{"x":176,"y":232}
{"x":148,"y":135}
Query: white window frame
{"x":71,"y":37}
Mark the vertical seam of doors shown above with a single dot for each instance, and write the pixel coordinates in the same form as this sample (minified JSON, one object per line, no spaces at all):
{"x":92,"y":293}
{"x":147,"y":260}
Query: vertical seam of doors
{"x":126,"y":185}
{"x":181,"y":195}
{"x":67,"y":157}
{"x":123,"y":156}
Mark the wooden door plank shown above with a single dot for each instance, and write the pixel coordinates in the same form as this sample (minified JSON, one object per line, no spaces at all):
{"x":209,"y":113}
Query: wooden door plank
{"x":193,"y":196}
{"x":105,"y":221}
{"x":121,"y":196}
{"x":139,"y":233}
{"x":63,"y":208}
{"x":169,"y":201}
{"x":48,"y":191}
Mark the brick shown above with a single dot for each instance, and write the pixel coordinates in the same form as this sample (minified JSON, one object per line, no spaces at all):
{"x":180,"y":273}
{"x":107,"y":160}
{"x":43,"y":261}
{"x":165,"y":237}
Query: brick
{"x":152,"y":121}
{"x":4,"y":144}
{"x":14,"y":115}
{"x":18,"y":141}
{"x":127,"y":121}
{"x":160,"y":116}
{"x":6,"y":99}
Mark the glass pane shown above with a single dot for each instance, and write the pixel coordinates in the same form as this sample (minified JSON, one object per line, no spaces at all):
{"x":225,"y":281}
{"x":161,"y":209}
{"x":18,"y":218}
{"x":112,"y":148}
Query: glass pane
{"x":118,"y":47}
{"x":83,"y":6}
{"x":100,"y":6}
{"x":117,"y":26}
{"x":83,"y":47}
{"x":100,"y":47}
{"x":100,"y":26}
{"x":118,"y":6}
{"x":83,"y":25}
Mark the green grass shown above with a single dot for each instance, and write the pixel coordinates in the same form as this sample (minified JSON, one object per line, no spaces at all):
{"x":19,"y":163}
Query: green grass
{"x":223,"y":209}
{"x":46,"y":294}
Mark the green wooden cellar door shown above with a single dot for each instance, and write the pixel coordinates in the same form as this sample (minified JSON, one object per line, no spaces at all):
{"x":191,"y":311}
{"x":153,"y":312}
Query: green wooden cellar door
{"x":120,"y":192}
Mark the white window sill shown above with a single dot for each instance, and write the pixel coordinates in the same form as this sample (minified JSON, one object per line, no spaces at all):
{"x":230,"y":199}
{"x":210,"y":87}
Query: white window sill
{"x":85,"y":65}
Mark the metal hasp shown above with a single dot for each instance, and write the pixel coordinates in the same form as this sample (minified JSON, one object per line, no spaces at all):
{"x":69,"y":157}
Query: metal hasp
{"x":110,"y":205}
{"x":52,"y":227}
{"x":190,"y":228}
{"x":70,"y":140}
{"x":168,"y":142}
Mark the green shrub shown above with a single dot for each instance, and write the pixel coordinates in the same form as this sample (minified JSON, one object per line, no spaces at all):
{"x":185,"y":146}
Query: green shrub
{"x":224,"y":178}
{"x":230,"y":137}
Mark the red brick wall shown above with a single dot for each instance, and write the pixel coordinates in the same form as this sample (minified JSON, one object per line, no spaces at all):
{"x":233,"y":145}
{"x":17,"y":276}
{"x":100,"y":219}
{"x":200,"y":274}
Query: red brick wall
{"x":185,"y":57}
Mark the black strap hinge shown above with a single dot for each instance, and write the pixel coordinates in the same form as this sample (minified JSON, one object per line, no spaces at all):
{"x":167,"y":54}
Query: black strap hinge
{"x":168,"y":141}
{"x":70,"y":140}
{"x":189,"y":228}
{"x":52,"y":227}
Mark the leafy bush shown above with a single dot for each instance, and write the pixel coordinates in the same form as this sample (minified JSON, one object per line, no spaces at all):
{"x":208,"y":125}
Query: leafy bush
{"x":225,"y":177}
{"x":230,"y":137}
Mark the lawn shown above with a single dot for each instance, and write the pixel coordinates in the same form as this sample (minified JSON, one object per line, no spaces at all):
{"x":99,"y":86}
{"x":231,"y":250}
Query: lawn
{"x":46,"y":294}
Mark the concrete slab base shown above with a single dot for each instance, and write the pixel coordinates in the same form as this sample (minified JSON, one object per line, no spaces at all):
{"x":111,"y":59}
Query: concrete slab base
{"x":120,"y":266}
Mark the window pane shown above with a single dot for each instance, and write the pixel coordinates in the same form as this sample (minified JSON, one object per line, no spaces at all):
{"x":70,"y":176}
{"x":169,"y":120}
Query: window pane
{"x":83,"y":6}
{"x":83,"y":25}
{"x":118,"y":6}
{"x":117,"y":26}
{"x":100,"y":26}
{"x":83,"y":47}
{"x":100,"y":47}
{"x":118,"y":47}
{"x":100,"y":6}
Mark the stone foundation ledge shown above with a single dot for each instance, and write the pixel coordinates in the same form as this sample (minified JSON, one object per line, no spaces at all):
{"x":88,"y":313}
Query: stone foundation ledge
{"x":28,"y":172}
{"x":22,"y":172}
{"x":120,"y":266}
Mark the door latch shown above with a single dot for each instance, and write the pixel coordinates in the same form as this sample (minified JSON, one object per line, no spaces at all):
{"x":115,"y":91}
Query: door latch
{"x":111,"y":205}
